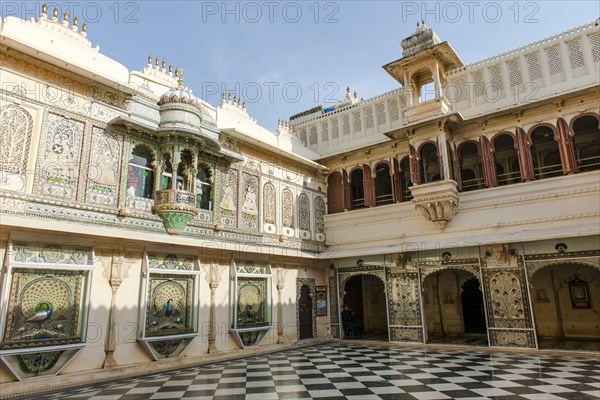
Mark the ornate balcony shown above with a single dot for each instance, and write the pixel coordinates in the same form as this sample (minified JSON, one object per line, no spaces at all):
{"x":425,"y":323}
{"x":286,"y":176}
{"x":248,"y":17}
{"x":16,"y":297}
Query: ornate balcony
{"x":176,"y":208}
{"x":437,"y":201}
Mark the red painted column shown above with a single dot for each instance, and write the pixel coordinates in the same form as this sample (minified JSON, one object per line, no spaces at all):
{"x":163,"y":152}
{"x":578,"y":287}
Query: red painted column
{"x":566,"y":147}
{"x":523,"y":147}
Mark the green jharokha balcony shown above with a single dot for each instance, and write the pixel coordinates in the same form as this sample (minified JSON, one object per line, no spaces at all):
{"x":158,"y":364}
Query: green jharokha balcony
{"x":176,"y":208}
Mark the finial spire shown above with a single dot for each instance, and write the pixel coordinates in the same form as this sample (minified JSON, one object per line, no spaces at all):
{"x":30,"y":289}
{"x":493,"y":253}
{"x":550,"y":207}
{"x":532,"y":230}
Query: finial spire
{"x":75,"y":21}
{"x":348,"y":89}
{"x":66,"y":16}
{"x":44,"y":8}
{"x":164,"y":64}
{"x":150,"y":59}
{"x":170,"y":68}
{"x":84,"y":27}
{"x":156,"y":62}
{"x":55,"y":13}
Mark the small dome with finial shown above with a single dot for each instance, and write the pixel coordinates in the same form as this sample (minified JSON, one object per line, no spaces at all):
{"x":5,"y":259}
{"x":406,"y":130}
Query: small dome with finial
{"x":180,"y":94}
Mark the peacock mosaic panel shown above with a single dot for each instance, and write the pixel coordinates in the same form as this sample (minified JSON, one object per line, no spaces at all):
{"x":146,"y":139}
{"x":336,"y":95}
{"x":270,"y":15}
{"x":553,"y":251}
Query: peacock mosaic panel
{"x":60,"y":157}
{"x":170,"y":306}
{"x":228,"y":196}
{"x":43,"y":253}
{"x":171,"y":262}
{"x":252,"y":303}
{"x":250,"y":201}
{"x":404,"y":307}
{"x":104,"y":170}
{"x":44,"y":308}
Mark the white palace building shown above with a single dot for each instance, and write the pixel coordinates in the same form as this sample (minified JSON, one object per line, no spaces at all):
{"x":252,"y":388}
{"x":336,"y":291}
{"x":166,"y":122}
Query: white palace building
{"x":144,"y":229}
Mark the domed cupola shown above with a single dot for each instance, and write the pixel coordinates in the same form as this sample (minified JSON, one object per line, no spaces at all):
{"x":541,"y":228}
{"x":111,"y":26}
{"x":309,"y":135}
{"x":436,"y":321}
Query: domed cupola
{"x":179,"y":108}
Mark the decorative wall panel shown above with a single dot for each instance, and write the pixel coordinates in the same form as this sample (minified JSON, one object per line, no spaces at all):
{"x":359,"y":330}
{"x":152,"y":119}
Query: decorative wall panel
{"x":509,"y":318}
{"x":228,"y":197}
{"x":104,"y":170}
{"x":60,"y":157}
{"x":304,"y":212}
{"x":319,"y":214}
{"x":287,"y":205}
{"x":16,"y":127}
{"x":250,"y":204}
{"x":269,"y":204}
{"x":405,"y":317}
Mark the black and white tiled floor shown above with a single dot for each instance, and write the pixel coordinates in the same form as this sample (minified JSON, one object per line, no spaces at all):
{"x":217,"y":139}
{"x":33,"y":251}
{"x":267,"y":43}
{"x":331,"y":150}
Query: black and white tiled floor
{"x":339,"y":371}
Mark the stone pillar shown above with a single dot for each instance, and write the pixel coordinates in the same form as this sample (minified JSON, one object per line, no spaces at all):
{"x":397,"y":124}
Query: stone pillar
{"x":280,"y":283}
{"x":213,"y":275}
{"x":115,"y":274}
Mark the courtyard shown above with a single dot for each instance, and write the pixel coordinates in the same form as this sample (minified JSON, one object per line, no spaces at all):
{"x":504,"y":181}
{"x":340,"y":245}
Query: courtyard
{"x":360,"y":371}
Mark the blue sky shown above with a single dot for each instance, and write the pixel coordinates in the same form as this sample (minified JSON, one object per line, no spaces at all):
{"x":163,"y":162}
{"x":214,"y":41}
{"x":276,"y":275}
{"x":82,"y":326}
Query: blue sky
{"x":286,"y":57}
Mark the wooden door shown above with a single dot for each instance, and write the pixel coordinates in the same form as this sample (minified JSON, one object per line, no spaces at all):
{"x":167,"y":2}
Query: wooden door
{"x":305,"y":313}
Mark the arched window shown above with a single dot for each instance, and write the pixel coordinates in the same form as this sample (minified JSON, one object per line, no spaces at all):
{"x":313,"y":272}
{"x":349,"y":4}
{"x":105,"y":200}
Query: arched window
{"x":304,"y":212}
{"x":357,"y":189}
{"x":430,"y":163}
{"x":405,"y":182}
{"x":471,"y":171}
{"x":506,"y":159}
{"x":587,"y":143}
{"x":383,"y":184}
{"x":140,"y":173}
{"x":166,"y":174}
{"x":545,"y":153}
{"x":183,"y":171}
{"x":335,"y":193}
{"x":204,"y":187}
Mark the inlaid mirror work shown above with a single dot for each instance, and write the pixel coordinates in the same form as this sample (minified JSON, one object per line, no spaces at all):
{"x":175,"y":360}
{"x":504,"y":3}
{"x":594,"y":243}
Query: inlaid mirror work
{"x":169,"y":306}
{"x":46,"y":290}
{"x":251,"y":314}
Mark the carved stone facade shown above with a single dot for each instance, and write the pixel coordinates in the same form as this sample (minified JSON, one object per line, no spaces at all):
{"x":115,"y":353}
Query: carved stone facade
{"x":457,"y":201}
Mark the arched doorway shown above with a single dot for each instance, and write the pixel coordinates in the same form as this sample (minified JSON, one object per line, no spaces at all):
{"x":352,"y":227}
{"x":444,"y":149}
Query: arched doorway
{"x":454,"y":309}
{"x":305,"y":313}
{"x":566,"y":302}
{"x":472,"y":306}
{"x":365,"y":297}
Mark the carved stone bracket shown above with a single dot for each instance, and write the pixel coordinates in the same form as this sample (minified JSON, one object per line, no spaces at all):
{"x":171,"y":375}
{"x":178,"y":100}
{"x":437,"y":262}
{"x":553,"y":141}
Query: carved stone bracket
{"x":436,"y":201}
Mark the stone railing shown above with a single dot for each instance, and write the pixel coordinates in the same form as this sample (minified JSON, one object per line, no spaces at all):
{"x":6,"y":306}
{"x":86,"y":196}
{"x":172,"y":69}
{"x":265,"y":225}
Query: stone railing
{"x":361,"y":123}
{"x":565,"y":62}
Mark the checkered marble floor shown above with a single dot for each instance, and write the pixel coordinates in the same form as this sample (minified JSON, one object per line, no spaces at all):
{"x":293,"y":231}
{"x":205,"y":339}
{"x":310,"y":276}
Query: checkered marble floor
{"x":339,"y":371}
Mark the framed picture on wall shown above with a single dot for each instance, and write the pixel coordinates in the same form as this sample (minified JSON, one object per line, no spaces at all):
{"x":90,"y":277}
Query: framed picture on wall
{"x":321,"y":297}
{"x":580,"y":297}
